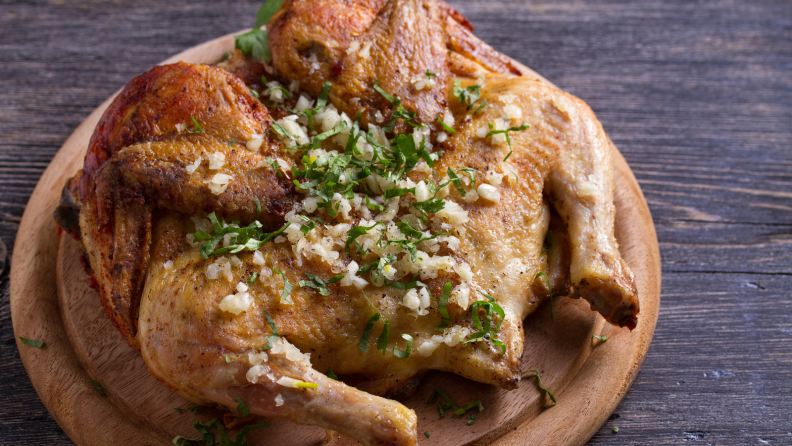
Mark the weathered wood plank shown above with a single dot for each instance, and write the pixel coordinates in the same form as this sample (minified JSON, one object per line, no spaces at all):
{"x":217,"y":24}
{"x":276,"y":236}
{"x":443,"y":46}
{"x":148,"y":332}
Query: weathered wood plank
{"x":697,"y":95}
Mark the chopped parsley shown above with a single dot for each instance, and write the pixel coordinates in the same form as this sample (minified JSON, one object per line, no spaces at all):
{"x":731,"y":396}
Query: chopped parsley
{"x":277,"y":87}
{"x":398,"y":112}
{"x":252,"y":279}
{"x":275,"y":335}
{"x":505,"y":132}
{"x":32,"y":342}
{"x":540,"y":385}
{"x":451,"y":405}
{"x":195,"y":409}
{"x":427,"y":434}
{"x":198,"y":128}
{"x":548,"y":239}
{"x":96,"y":385}
{"x":250,"y":238}
{"x":447,"y":128}
{"x":232,"y":142}
{"x":467,"y":95}
{"x":430,"y":75}
{"x":254,"y":93}
{"x":318,"y":283}
{"x":256,"y":41}
{"x":406,"y":352}
{"x":287,"y":287}
{"x":208,"y":437}
{"x":330,"y":374}
{"x":384,"y":337}
{"x":242,"y":407}
{"x":602,"y":338}
{"x":258,"y":205}
{"x":442,"y":307}
{"x":486,"y":330}
{"x":480,"y":107}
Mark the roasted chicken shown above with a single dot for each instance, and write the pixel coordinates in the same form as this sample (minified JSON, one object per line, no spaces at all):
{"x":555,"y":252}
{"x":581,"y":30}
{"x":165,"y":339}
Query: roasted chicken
{"x":401,"y":207}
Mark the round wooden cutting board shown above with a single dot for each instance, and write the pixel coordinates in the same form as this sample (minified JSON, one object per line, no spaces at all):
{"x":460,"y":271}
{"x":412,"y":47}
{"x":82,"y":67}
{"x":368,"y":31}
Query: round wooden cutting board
{"x":51,"y":301}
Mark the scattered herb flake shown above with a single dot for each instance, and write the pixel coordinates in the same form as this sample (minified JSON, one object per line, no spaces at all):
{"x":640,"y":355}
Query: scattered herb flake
{"x":540,"y":385}
{"x":242,"y":407}
{"x":96,"y":385}
{"x":198,"y":128}
{"x":32,"y":342}
{"x":406,"y":353}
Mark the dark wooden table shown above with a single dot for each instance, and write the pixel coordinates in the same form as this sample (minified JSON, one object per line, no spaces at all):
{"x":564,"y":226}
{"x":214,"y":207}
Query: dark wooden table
{"x":696,"y":94}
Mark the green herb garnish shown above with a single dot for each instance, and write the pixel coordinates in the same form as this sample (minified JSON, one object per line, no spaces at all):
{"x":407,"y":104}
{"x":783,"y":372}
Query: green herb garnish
{"x":540,"y":385}
{"x":275,"y":335}
{"x":96,"y":385}
{"x":242,"y":407}
{"x":406,"y":353}
{"x":32,"y":342}
{"x":318,"y":283}
{"x":198,"y":128}
{"x":486,"y":330}
{"x":250,"y":238}
{"x":442,"y":307}
{"x":505,"y":132}
{"x":467,"y":95}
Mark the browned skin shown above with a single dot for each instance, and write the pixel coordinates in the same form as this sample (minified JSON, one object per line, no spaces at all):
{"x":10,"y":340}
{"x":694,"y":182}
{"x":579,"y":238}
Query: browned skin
{"x":136,"y":161}
{"x":408,"y":38}
{"x":135,"y":195}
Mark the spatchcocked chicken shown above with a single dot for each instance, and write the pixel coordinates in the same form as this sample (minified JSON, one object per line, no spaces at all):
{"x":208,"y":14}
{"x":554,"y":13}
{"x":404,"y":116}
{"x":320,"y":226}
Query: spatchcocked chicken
{"x":385,"y":198}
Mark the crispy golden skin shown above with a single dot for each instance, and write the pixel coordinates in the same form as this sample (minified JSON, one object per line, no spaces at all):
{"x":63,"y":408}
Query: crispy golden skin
{"x":136,"y":196}
{"x":136,"y":161}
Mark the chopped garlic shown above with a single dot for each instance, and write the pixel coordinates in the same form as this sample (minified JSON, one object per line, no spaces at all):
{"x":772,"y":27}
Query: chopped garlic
{"x":279,"y":400}
{"x":257,"y":358}
{"x":239,"y":302}
{"x":512,"y":112}
{"x":219,"y":183}
{"x":221,"y":266}
{"x":489,"y":192}
{"x":168,"y":264}
{"x":255,"y":142}
{"x":454,"y":335}
{"x":353,"y":47}
{"x":216,"y":160}
{"x":587,"y":189}
{"x":366,"y":51}
{"x":194,"y":166}
{"x":429,"y":346}
{"x":258,"y":258}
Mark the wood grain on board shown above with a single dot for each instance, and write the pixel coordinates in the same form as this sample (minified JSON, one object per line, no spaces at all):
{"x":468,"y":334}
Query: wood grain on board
{"x":697,"y":96}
